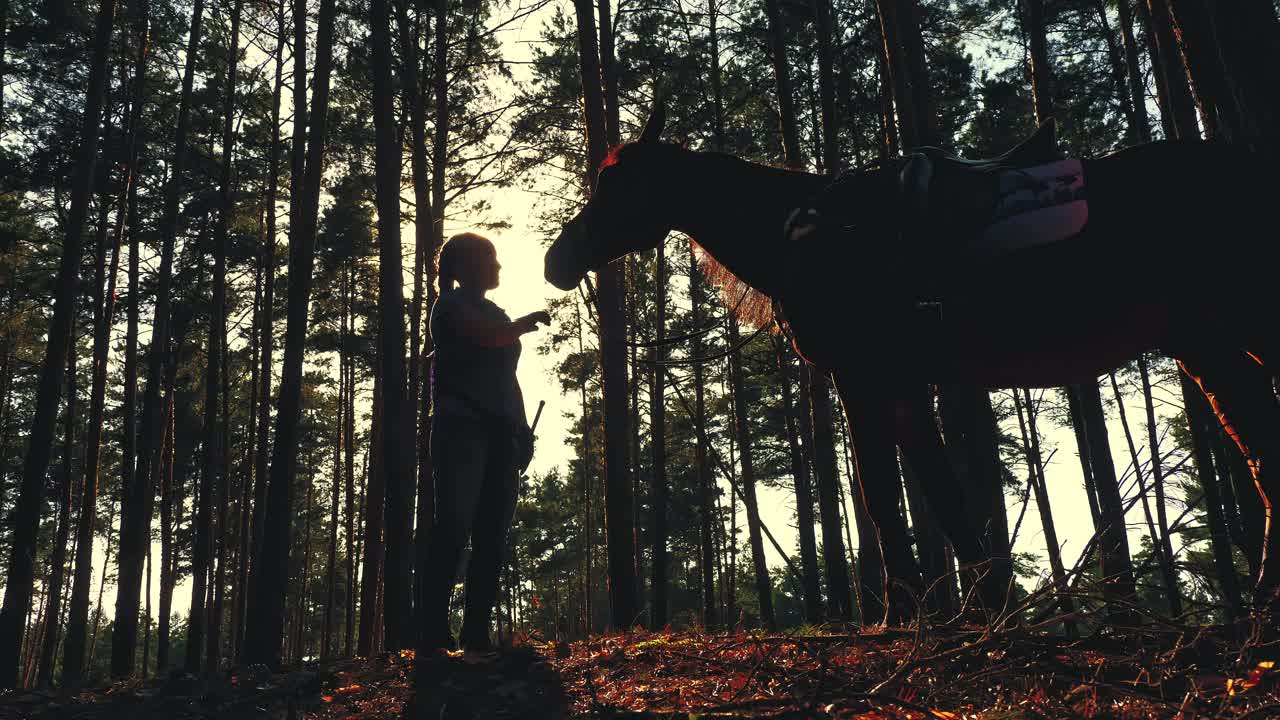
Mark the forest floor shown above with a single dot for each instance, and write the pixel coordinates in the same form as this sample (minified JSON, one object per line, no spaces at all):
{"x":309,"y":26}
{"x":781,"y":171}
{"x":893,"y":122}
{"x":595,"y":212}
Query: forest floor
{"x":911,"y":674}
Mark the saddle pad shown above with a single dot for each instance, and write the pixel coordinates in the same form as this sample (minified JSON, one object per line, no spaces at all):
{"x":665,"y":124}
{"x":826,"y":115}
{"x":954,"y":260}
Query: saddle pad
{"x":1035,"y":206}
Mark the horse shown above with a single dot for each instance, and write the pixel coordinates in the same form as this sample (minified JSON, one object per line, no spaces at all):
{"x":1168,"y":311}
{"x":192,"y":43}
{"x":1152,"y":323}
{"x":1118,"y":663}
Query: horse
{"x":1168,"y":259}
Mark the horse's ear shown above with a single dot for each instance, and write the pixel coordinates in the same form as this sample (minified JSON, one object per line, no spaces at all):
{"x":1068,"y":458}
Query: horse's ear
{"x":653,"y":126}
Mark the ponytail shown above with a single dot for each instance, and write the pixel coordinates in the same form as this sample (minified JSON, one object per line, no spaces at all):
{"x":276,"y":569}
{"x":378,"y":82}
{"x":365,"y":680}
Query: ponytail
{"x":446,"y":273}
{"x":453,"y":257}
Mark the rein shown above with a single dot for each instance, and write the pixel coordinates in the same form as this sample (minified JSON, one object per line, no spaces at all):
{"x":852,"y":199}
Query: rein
{"x":589,"y":297}
{"x":707,"y":358}
{"x":694,"y":334}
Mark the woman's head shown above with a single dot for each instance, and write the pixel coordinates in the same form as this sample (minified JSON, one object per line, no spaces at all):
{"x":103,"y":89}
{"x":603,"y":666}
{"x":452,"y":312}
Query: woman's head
{"x":469,"y":259}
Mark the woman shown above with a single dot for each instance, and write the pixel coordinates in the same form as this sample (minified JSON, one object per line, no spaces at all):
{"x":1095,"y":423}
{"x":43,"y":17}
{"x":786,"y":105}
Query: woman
{"x":480,"y":440}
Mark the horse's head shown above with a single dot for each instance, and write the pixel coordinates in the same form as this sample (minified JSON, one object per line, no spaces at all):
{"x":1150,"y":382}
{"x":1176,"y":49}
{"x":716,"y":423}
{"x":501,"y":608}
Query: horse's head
{"x":624,"y":213}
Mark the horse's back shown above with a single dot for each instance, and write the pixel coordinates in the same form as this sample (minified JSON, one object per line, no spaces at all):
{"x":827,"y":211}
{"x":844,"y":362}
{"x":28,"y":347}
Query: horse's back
{"x":1181,"y":200}
{"x":1196,"y":217}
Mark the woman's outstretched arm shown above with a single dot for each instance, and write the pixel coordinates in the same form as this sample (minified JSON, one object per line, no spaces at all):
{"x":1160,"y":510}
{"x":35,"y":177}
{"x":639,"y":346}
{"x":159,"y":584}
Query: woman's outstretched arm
{"x":487,"y":332}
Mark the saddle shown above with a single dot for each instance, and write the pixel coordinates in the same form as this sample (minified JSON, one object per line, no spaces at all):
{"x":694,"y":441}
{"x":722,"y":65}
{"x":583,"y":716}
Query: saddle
{"x":923,"y":215}
{"x":945,"y":199}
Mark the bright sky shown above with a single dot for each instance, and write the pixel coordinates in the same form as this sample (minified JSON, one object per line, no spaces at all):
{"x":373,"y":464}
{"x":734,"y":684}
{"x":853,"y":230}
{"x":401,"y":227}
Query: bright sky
{"x":523,"y":289}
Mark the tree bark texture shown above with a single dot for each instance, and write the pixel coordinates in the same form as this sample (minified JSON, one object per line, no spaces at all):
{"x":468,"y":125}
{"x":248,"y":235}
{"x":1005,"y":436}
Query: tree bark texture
{"x":804,"y":493}
{"x":268,"y":581}
{"x":137,"y":497}
{"x":658,"y":446}
{"x":104,"y":313}
{"x":623,"y":609}
{"x":21,"y":569}
{"x":397,"y":413}
{"x":839,"y":589}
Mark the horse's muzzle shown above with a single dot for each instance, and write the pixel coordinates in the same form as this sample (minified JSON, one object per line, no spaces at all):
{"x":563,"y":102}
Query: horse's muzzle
{"x":562,"y":266}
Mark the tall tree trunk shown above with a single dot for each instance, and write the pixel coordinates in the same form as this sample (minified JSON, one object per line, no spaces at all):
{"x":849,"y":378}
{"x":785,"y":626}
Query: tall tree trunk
{"x":102,"y":584}
{"x":1200,"y":419}
{"x":793,"y":156}
{"x":702,"y":469}
{"x":658,"y":445}
{"x":613,"y":356}
{"x":926,"y":109}
{"x":824,"y":28}
{"x":168,"y":553}
{"x":213,"y":647}
{"x":609,"y":74}
{"x":1141,"y":128}
{"x":1114,"y":558}
{"x":742,"y":432}
{"x":270,"y":577}
{"x":1041,"y":69}
{"x":374,"y":499}
{"x":1203,"y":62}
{"x":245,"y":501}
{"x":1035,"y":466}
{"x":146,"y":621}
{"x":4,"y":32}
{"x":439,"y":203}
{"x":970,"y":427}
{"x":262,"y":443}
{"x":894,"y":81}
{"x":1166,"y":561}
{"x":1153,"y":53}
{"x":137,"y":498}
{"x":103,"y":309}
{"x":213,"y":479}
{"x":839,"y":588}
{"x":300,"y":645}
{"x":1082,"y":449}
{"x":331,"y":572}
{"x":1225,"y":49}
{"x":804,"y":495}
{"x":587,"y":466}
{"x":1157,"y":483}
{"x":930,"y":548}
{"x":350,"y":461}
{"x":397,"y":414}
{"x":188,"y":436}
{"x":21,"y":570}
{"x":200,"y":548}
{"x":1168,"y":63}
{"x":6,"y":387}
{"x":1249,"y":528}
{"x":764,"y":587}
{"x":633,"y":352}
{"x":413,"y":93}
{"x":1118,"y":72}
{"x":32,"y":641}
{"x":58,"y":563}
{"x":905,"y":65}
{"x":870,"y":574}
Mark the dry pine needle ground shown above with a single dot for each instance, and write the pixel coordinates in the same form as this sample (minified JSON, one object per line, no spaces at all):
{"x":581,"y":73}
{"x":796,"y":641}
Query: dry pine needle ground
{"x":917,"y":674}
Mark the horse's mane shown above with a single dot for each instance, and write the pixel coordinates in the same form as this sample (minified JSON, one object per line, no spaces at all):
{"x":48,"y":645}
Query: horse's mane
{"x":748,"y":304}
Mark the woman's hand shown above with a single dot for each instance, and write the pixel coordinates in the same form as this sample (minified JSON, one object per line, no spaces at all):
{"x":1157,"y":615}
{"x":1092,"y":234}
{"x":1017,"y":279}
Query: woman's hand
{"x":529,"y":322}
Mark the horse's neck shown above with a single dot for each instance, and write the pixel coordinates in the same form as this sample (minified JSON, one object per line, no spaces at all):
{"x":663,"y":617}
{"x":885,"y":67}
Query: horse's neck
{"x":736,"y":209}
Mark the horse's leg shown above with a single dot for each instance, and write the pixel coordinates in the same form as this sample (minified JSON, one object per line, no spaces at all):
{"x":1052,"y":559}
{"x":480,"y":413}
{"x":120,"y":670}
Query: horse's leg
{"x":948,"y":495}
{"x":1239,"y":390}
{"x":869,"y":411}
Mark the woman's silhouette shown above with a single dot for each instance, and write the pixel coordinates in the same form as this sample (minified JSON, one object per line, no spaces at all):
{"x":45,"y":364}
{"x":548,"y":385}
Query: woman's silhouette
{"x":480,"y":439}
